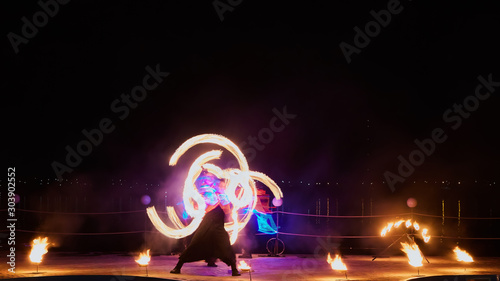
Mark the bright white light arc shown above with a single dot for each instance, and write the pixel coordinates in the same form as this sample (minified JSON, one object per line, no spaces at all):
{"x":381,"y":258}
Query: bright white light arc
{"x":242,"y":178}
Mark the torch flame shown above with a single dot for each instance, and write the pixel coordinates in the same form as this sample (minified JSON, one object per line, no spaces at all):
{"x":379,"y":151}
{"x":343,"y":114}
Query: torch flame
{"x":244,"y":266}
{"x":389,"y":226}
{"x":416,"y":226}
{"x":144,"y":258}
{"x":397,"y":224}
{"x":425,"y":236}
{"x":462,"y":255}
{"x":408,"y":223}
{"x":39,"y":248}
{"x":386,"y":229}
{"x":336,"y":263}
{"x":413,"y":252}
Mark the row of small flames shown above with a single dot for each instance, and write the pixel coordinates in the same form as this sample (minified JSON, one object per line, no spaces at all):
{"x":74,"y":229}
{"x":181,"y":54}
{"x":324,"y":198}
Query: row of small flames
{"x":39,"y":247}
{"x":413,"y":253}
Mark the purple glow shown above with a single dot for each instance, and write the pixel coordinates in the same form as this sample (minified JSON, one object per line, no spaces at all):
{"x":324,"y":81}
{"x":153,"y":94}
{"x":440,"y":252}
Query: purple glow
{"x":145,"y":199}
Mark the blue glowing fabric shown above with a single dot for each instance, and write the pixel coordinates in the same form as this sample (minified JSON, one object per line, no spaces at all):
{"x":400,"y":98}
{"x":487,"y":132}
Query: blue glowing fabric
{"x":266,"y":223}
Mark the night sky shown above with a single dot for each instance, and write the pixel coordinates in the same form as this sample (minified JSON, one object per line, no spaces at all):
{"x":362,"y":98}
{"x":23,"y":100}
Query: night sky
{"x":346,"y":121}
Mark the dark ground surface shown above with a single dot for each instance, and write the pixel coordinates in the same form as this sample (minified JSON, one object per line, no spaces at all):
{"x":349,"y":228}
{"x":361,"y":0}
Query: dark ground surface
{"x":290,"y":267}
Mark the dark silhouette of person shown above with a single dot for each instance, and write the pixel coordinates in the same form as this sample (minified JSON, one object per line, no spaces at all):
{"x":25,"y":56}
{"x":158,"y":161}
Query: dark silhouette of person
{"x":211,"y":240}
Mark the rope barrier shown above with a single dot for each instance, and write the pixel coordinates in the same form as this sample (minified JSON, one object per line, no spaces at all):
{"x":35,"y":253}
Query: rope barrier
{"x":376,"y":236}
{"x":66,"y":213}
{"x":379,"y":216}
{"x":83,"y":233}
{"x":276,"y":212}
{"x":280,"y":233}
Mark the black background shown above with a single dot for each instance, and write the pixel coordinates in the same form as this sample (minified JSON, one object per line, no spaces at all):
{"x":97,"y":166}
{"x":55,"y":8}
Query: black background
{"x":352,"y":119}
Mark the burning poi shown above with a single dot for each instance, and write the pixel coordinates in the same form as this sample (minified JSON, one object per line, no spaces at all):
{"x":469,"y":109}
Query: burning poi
{"x":240,"y":189}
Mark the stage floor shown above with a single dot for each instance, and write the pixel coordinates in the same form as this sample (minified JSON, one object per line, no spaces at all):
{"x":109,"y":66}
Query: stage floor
{"x":290,"y":267}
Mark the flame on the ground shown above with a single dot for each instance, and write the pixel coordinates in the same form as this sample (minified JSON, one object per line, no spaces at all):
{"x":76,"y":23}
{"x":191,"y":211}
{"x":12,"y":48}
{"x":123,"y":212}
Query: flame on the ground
{"x":413,"y":252}
{"x":462,"y":255}
{"x":243,"y":266}
{"x":39,"y":248}
{"x":336,"y":263}
{"x":144,"y":258}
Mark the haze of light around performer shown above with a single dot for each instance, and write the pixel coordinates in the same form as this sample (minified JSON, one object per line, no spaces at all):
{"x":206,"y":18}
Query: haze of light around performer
{"x":206,"y":203}
{"x":211,"y":240}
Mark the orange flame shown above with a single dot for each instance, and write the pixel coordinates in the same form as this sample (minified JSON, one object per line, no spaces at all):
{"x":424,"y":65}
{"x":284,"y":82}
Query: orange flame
{"x":336,"y":263}
{"x":416,"y":226}
{"x":39,"y":248}
{"x":397,"y":224}
{"x":462,"y":255}
{"x":243,"y":266}
{"x":408,"y":223}
{"x":413,"y":252}
{"x":144,"y":258}
{"x":425,"y":236}
{"x":386,"y":229}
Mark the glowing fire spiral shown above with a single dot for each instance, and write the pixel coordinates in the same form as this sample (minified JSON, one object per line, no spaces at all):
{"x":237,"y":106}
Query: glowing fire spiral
{"x":408,"y":223}
{"x":194,"y":202}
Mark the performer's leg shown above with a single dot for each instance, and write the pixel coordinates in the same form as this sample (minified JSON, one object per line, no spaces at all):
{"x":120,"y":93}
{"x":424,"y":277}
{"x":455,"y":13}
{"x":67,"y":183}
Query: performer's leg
{"x":211,"y":262}
{"x":177,"y":268}
{"x":234,"y":270}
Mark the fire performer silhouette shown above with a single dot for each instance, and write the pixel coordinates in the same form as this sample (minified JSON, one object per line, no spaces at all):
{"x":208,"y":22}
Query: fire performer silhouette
{"x":210,"y":241}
